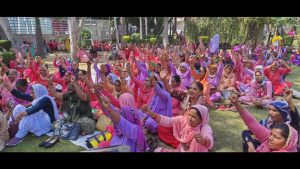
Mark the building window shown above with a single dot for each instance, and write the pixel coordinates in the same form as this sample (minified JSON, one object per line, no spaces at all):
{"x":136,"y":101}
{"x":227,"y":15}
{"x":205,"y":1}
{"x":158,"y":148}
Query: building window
{"x":26,"y":25}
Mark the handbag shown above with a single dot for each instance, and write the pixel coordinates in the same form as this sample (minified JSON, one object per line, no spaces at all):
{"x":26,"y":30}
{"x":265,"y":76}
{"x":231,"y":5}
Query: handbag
{"x":69,"y":131}
{"x":95,"y":140}
{"x":103,"y":122}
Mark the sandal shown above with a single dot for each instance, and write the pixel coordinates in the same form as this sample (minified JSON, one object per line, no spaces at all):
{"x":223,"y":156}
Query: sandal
{"x":52,"y":142}
{"x":46,"y":141}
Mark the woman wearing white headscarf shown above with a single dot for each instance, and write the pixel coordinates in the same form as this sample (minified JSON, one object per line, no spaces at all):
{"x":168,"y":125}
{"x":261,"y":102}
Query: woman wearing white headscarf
{"x":38,"y":118}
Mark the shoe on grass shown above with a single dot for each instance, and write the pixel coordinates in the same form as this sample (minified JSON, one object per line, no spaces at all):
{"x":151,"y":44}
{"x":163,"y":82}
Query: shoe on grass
{"x":14,"y":141}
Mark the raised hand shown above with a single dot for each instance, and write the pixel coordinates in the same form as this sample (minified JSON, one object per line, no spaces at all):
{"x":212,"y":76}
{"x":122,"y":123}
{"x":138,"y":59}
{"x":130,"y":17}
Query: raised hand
{"x":201,"y":140}
{"x":145,"y":108}
{"x":153,"y":80}
{"x":1,"y":58}
{"x":98,"y":86}
{"x":88,"y":63}
{"x":50,"y":78}
{"x":105,"y":102}
{"x":6,"y":82}
{"x":288,"y":95}
{"x":163,"y":75}
{"x":73,"y":79}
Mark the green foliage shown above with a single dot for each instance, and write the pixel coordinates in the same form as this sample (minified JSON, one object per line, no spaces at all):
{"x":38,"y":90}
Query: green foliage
{"x":150,"y":36}
{"x":205,"y":39}
{"x":232,"y":29}
{"x":86,"y":43}
{"x":85,"y":38}
{"x":191,"y":30}
{"x":85,"y":34}
{"x":152,"y":40}
{"x":7,"y":56}
{"x":173,"y":41}
{"x":126,"y":39}
{"x":62,"y":40}
{"x":135,"y":38}
{"x":159,"y":40}
{"x":6,"y":44}
{"x":287,"y":40}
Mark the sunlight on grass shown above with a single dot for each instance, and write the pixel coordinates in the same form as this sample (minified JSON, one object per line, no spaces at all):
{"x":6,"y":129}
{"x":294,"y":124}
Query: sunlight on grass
{"x":228,"y":126}
{"x":31,"y":144}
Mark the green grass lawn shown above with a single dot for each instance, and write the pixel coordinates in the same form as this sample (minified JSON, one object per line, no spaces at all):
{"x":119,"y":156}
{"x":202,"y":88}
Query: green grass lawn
{"x":31,"y":144}
{"x":227,"y":127}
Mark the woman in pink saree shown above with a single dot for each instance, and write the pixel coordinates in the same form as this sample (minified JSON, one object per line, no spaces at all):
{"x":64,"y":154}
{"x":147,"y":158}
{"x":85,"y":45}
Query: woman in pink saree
{"x":191,"y":130}
{"x":12,"y":77}
{"x":275,"y":74}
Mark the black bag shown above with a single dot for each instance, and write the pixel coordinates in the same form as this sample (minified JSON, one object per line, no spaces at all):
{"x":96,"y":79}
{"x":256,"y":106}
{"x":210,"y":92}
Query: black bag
{"x":69,"y":131}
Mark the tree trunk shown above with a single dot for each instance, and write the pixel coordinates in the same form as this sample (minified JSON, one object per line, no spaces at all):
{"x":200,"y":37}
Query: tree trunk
{"x":269,"y":36}
{"x":123,"y":26}
{"x":117,"y":34}
{"x":39,"y":38}
{"x":260,"y":36}
{"x":8,"y":32}
{"x":141,"y":28}
{"x":146,"y":26}
{"x":165,"y":32}
{"x":74,"y":29}
{"x":124,"y":31}
{"x":174,"y":26}
{"x":170,"y":23}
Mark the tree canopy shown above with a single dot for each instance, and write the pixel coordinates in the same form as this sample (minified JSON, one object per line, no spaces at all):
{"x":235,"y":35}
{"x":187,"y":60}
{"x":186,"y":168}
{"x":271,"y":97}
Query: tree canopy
{"x":234,"y":29}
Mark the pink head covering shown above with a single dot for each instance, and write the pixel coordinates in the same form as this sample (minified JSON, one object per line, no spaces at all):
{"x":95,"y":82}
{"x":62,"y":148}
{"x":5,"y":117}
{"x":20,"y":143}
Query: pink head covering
{"x":203,"y":113}
{"x":236,"y":48}
{"x":71,"y":73}
{"x":186,"y":78}
{"x":126,"y":99}
{"x":291,"y":143}
{"x":227,"y":55}
{"x":184,"y":133}
{"x":258,"y":49}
